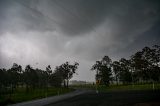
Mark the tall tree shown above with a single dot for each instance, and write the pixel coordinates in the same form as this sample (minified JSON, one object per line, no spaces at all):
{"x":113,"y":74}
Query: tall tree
{"x":56,"y":77}
{"x":138,"y":65}
{"x":3,"y":80}
{"x":145,"y":64}
{"x":14,"y":75}
{"x":125,"y":73}
{"x":31,"y":77}
{"x":49,"y":72}
{"x":103,"y":70}
{"x":67,"y":70}
{"x":152,"y":57}
{"x":116,"y":69}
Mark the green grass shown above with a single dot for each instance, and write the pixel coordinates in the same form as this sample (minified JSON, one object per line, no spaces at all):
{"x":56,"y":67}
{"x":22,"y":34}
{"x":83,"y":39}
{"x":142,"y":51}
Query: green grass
{"x":21,"y":95}
{"x":121,"y":87}
{"x":128,"y":87}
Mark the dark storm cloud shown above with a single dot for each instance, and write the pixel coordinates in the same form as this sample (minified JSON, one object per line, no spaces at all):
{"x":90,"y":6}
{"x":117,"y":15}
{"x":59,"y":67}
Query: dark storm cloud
{"x":55,"y":31}
{"x":71,"y":17}
{"x":125,"y":24}
{"x":16,"y":16}
{"x":82,"y":16}
{"x":75,"y":17}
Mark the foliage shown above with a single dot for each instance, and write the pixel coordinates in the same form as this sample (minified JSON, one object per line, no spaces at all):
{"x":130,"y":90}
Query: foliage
{"x":32,"y":79}
{"x":103,"y":70}
{"x":143,"y":66}
{"x":66,"y":71}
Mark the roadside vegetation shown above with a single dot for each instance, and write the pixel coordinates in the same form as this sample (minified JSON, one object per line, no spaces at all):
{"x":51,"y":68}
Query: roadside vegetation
{"x":128,"y":87}
{"x":17,"y":84}
{"x":120,"y":87}
{"x":142,"y":67}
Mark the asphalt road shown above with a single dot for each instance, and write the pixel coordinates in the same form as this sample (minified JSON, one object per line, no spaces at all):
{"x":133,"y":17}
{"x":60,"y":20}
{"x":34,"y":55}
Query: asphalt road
{"x":115,"y":98}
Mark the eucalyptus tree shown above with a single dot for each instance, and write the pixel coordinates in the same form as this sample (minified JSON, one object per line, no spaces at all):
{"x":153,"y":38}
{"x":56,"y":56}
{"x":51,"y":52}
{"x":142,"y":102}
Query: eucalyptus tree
{"x":145,"y":64}
{"x":14,"y":76}
{"x":156,"y":61}
{"x":4,"y":81}
{"x":152,"y":57}
{"x":57,"y":77}
{"x":103,"y":70}
{"x":49,"y":72}
{"x":31,"y":77}
{"x":66,"y":71}
{"x":139,"y":66}
{"x":125,"y":73}
{"x":116,"y":69}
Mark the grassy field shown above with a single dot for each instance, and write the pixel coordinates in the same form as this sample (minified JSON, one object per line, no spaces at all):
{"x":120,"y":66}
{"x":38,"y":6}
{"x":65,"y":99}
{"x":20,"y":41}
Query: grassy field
{"x":114,"y":87}
{"x":21,"y":95}
{"x":129,"y":87}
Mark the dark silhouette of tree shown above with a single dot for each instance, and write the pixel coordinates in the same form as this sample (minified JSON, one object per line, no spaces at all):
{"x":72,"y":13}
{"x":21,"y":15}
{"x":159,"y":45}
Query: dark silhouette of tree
{"x":125,"y":73}
{"x":42,"y":78}
{"x":67,"y":70}
{"x":151,"y":56}
{"x":49,"y":72}
{"x":4,"y":80}
{"x":72,"y":71}
{"x":145,"y":64}
{"x":103,"y":70}
{"x":137,"y":64}
{"x":14,"y":75}
{"x":56,"y":77}
{"x":116,"y":69}
{"x":31,"y":77}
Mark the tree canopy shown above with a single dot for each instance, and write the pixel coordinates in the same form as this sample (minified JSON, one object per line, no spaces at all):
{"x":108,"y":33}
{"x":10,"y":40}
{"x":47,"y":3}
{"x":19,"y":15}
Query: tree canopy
{"x":143,"y":66}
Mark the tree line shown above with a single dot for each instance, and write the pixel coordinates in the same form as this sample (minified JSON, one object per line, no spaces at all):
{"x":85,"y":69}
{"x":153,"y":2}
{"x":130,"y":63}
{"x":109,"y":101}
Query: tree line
{"x":141,"y":67}
{"x":30,"y":78}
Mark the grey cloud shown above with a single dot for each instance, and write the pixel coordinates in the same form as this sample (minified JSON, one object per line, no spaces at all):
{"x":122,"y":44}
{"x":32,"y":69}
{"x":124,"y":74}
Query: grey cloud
{"x":16,"y":16}
{"x":76,"y":17}
{"x":70,"y":17}
{"x":35,"y":31}
{"x":123,"y":26}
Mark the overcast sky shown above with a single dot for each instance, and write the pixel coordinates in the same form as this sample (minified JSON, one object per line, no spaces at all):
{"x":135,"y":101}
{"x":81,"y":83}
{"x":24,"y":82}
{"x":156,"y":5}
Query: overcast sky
{"x":51,"y":32}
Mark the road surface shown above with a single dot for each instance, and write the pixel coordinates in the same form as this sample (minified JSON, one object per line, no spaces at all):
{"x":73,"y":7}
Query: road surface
{"x":116,"y":98}
{"x":91,"y":98}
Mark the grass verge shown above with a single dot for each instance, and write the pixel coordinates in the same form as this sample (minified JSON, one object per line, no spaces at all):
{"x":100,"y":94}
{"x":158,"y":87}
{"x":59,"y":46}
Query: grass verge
{"x":121,"y":87}
{"x":129,"y":87}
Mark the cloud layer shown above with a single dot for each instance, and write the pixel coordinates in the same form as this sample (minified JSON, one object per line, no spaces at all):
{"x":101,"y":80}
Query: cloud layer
{"x":55,"y":31}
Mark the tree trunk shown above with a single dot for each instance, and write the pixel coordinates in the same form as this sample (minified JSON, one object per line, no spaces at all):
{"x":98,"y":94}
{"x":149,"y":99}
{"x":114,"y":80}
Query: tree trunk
{"x":116,"y":80}
{"x":12,"y":88}
{"x":67,"y":83}
{"x":27,"y":88}
{"x":64,"y":82}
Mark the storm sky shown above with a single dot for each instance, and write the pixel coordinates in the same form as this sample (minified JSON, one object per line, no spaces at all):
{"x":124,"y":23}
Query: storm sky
{"x":51,"y":32}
